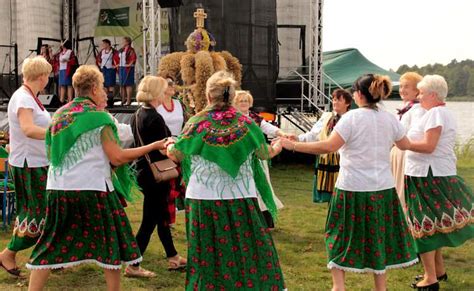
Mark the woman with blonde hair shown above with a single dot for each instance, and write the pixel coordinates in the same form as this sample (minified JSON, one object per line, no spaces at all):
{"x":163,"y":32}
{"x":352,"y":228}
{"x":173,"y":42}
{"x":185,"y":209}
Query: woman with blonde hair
{"x":148,"y":126}
{"x":243,"y":101}
{"x":28,"y":121}
{"x":408,"y":115}
{"x":85,"y":221}
{"x":366,"y":230}
{"x":229,"y":246}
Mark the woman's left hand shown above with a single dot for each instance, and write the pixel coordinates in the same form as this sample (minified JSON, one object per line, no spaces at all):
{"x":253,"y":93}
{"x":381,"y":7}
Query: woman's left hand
{"x":287,"y":144}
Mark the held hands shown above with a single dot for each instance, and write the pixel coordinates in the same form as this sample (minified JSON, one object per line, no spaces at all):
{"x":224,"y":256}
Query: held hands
{"x":276,"y":146}
{"x":285,"y":143}
{"x":160,"y":144}
{"x":169,"y":142}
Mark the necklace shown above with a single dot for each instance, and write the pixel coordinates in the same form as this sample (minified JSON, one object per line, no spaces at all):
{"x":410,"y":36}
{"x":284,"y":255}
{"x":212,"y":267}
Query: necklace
{"x":172,"y":106}
{"x":34,"y":97}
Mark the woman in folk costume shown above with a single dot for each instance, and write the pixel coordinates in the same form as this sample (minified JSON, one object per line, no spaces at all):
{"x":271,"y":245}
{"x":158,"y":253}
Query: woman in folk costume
{"x":28,"y":121}
{"x":108,"y":60}
{"x":440,"y":204}
{"x":228,"y":244}
{"x":175,"y":116}
{"x":67,"y":65}
{"x":327,"y":165}
{"x":127,"y":59}
{"x":366,"y":230}
{"x":243,"y":101}
{"x":408,"y":115}
{"x":85,"y":220}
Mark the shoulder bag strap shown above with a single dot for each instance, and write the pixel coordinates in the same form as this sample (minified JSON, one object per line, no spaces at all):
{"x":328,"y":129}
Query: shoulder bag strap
{"x":147,"y":157}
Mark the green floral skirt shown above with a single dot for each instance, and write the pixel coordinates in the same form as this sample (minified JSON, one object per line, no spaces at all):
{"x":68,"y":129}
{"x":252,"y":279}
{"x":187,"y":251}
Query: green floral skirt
{"x":367,"y":232}
{"x":440,"y":211}
{"x":30,"y":197}
{"x":229,"y":247}
{"x":84,"y":227}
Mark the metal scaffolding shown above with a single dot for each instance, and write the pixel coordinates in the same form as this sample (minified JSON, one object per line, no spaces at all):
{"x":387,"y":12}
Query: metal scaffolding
{"x":315,"y":74}
{"x":151,"y":36}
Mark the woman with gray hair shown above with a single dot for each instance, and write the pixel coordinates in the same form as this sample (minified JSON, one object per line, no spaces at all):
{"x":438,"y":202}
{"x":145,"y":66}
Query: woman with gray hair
{"x":440,"y":205}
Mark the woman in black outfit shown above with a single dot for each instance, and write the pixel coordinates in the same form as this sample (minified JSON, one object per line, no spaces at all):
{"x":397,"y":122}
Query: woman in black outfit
{"x":148,"y":126}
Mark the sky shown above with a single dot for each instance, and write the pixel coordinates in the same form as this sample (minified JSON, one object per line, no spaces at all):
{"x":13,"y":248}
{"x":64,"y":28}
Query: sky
{"x":391,"y":33}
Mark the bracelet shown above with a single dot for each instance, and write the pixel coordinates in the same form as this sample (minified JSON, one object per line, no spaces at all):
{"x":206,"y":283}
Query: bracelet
{"x":294,"y":147}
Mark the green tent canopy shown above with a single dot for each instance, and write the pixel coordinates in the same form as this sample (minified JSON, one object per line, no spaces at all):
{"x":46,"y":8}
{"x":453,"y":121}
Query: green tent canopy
{"x":345,"y":66}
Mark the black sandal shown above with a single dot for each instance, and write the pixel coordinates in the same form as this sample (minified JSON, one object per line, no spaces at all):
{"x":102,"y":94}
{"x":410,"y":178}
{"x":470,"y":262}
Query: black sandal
{"x":443,"y":277}
{"x":14,"y":271}
{"x":432,"y":287}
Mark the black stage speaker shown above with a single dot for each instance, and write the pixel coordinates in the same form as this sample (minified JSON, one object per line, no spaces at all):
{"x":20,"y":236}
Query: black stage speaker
{"x":49,"y":100}
{"x":170,"y":3}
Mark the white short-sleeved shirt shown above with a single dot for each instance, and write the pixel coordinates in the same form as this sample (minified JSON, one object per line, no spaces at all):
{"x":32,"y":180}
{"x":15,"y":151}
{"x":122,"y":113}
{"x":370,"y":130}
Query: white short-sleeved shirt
{"x":91,"y":172}
{"x":365,"y":157}
{"x":415,"y":113}
{"x":63,"y":59}
{"x":313,"y":134}
{"x":106,"y":59}
{"x":174,"y":119}
{"x":23,"y":148}
{"x":209,"y":182}
{"x":443,"y":160}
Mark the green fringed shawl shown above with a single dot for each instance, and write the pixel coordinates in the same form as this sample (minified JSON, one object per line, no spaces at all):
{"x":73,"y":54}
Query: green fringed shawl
{"x":227,"y":138}
{"x":68,"y":124}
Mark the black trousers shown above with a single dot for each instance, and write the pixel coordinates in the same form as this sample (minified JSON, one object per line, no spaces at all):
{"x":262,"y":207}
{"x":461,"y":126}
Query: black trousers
{"x":155,"y":215}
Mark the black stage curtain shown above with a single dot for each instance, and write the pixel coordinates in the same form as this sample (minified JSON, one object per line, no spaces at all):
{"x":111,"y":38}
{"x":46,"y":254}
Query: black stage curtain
{"x":245,"y":28}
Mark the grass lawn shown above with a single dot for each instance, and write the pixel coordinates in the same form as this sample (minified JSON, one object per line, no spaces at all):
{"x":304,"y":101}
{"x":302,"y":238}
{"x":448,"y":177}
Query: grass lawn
{"x":298,"y":238}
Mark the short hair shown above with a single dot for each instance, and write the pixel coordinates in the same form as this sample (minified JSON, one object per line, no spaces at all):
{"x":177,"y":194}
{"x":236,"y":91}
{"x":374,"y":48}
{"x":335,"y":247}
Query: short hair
{"x":345,"y":95}
{"x":241,"y":94}
{"x":413,"y":77}
{"x":128,"y":39}
{"x":107,"y":41}
{"x":216,"y":86}
{"x":85,"y":78}
{"x":434,"y":84}
{"x":35,"y":67}
{"x":67,"y":44}
{"x":151,"y":88}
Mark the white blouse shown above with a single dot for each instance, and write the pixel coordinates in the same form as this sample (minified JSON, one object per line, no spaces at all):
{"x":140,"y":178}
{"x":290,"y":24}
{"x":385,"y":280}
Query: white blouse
{"x":443,"y":160}
{"x":209,"y":182}
{"x":174,"y":119}
{"x":313,"y":134}
{"x":91,"y":172}
{"x":64,"y":59}
{"x":415,"y":113}
{"x":23,"y":148}
{"x":106,"y":59}
{"x":365,"y":157}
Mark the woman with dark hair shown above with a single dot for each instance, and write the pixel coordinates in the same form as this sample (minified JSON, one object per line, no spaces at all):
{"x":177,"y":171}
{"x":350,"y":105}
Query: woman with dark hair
{"x":127,"y":60}
{"x":366,"y":230}
{"x":327,"y":165}
{"x":107,"y":60}
{"x":228,"y":244}
{"x":67,"y":64}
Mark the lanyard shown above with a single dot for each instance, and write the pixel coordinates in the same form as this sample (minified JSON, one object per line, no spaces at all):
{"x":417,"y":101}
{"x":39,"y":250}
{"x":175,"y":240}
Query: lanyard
{"x":34,"y":97}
